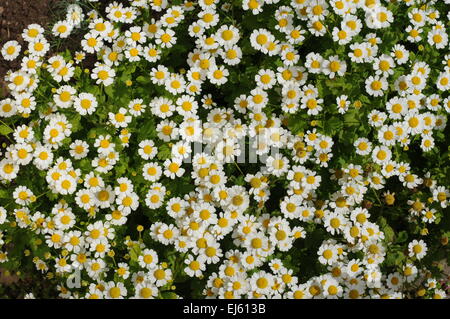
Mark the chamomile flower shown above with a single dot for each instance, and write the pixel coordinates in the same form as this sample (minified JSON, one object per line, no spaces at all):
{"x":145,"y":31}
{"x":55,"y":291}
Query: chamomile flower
{"x":218,"y":75}
{"x":334,"y":222}
{"x":173,"y":168}
{"x":400,"y":54}
{"x":151,"y":172}
{"x":32,"y":32}
{"x":115,"y":290}
{"x":227,"y":35}
{"x":437,"y":38}
{"x":79,"y":149}
{"x":133,"y":53}
{"x":314,"y":62}
{"x":175,"y":84}
{"x":342,"y":36}
{"x":417,"y":249}
{"x":441,"y":195}
{"x":148,"y":259}
{"x":91,"y":43}
{"x":414,"y":33}
{"x":103,"y":75}
{"x":7,"y":108}
{"x":136,"y":107}
{"x":62,"y":29}
{"x":43,"y":157}
{"x":127,"y":202}
{"x":375,"y":85}
{"x":11,"y":50}
{"x":120,"y":119}
{"x":85,"y":103}
{"x":151,"y":53}
{"x":145,"y":291}
{"x":165,"y":38}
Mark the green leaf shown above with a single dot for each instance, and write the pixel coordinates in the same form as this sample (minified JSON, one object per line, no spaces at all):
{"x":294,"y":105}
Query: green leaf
{"x":382,"y":222}
{"x":75,"y":121}
{"x":135,"y":251}
{"x":78,"y":72}
{"x":4,"y":193}
{"x":169,"y":295}
{"x":333,"y":125}
{"x":297,"y":124}
{"x":164,"y":152}
{"x":109,"y":90}
{"x":143,"y":79}
{"x":121,"y":168}
{"x":394,"y":259}
{"x":401,"y":237}
{"x":52,"y":196}
{"x":85,"y":165}
{"x":5,"y":130}
{"x":388,"y":233}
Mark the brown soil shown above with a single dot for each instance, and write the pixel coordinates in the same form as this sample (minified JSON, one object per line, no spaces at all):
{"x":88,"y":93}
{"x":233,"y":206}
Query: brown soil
{"x":15,"y":15}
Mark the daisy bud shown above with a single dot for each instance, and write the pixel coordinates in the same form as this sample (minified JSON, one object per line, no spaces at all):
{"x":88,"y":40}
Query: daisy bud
{"x":421,"y":292}
{"x":367,"y":204}
{"x":428,"y":182}
{"x":389,"y":199}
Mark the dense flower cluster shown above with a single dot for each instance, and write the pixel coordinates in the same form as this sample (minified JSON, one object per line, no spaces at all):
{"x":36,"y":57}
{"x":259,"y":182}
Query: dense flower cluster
{"x":133,"y":175}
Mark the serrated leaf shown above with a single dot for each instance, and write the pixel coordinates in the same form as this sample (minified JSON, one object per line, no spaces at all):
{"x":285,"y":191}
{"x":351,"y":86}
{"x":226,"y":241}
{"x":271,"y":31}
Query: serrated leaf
{"x":297,"y":124}
{"x":401,"y":237}
{"x":164,"y":152}
{"x":333,"y":125}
